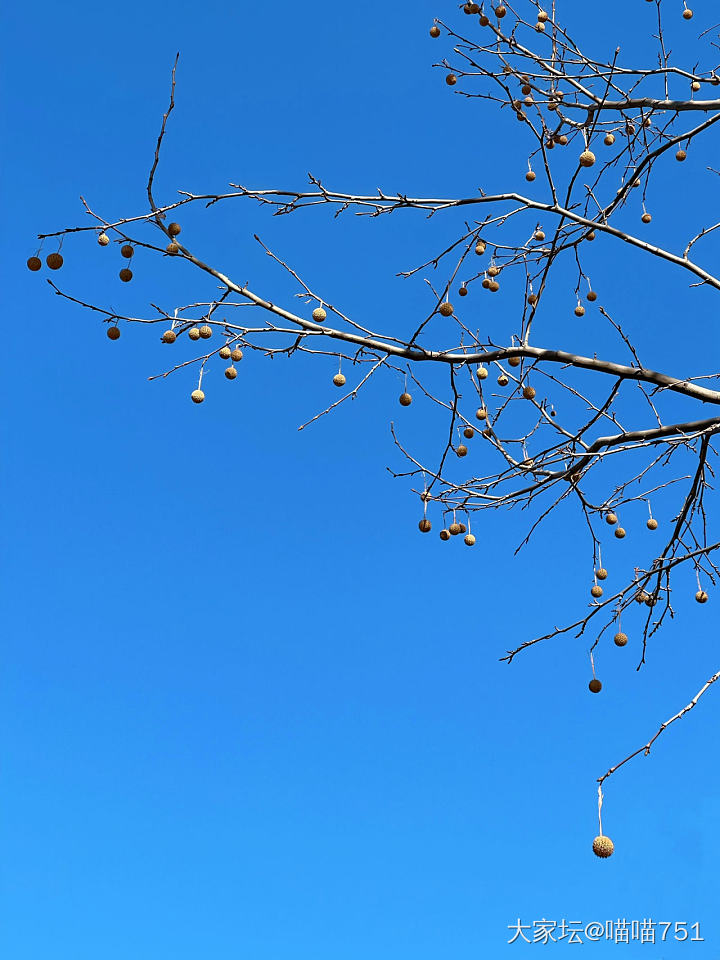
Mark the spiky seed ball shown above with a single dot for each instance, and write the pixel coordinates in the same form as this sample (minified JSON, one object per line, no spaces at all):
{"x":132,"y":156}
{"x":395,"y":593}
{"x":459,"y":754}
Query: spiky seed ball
{"x":610,"y":518}
{"x":236,"y":355}
{"x":641,"y":596}
{"x":493,"y":286}
{"x":526,"y":88}
{"x":591,"y":296}
{"x":609,"y":139}
{"x":451,"y":79}
{"x":514,"y":361}
{"x":484,"y":20}
{"x":480,"y":247}
{"x":500,"y":11}
{"x":591,"y":235}
{"x":172,"y":248}
{"x":169,"y":336}
{"x":529,"y":392}
{"x":620,"y":639}
{"x":463,"y":291}
{"x":197,"y":396}
{"x":470,"y":540}
{"x":587,"y":158}
{"x":425,"y":525}
{"x":435,"y":31}
{"x":194,"y":333}
{"x":461,"y":450}
{"x":651,"y":600}
{"x":539,"y":235}
{"x":596,"y":591}
{"x":530,"y":176}
{"x":487,"y":432}
{"x":652,"y":524}
{"x":125,"y":275}
{"x":224,"y":352}
{"x":493,"y":271}
{"x":696,"y":85}
{"x":701,"y":596}
{"x":54,"y":260}
{"x":444,"y":534}
{"x":205,"y":331}
{"x":562,"y":140}
{"x":486,"y":283}
{"x":481,"y":413}
{"x":455,"y":528}
{"x":542,"y":16}
{"x":502,"y":380}
{"x":532,"y":299}
{"x":230,"y":373}
{"x":405,"y":399}
{"x":445,"y":309}
{"x":681,"y":155}
{"x":463,"y":528}
{"x":540,"y":26}
{"x":174,"y":229}
{"x":469,"y":433}
{"x":319,"y":314}
{"x":339,"y":380}
{"x":595,"y":686}
{"x":579,"y":310}
{"x":687,"y":14}
{"x":113,"y":333}
{"x":601,"y":573}
{"x":103,"y":239}
{"x":127,"y":251}
{"x":603,"y":846}
{"x":620,"y":532}
{"x":646,"y":217}
{"x":34,"y":263}
{"x":482,"y":373}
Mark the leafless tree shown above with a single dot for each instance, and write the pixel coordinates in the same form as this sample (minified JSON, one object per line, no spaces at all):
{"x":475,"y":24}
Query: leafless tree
{"x":597,"y":133}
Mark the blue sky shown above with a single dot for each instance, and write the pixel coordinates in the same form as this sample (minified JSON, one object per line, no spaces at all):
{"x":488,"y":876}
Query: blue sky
{"x":248,"y":710}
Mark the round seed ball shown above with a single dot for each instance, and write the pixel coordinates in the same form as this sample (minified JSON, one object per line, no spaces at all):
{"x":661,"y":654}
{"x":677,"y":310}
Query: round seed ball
{"x":530,"y":176}
{"x":169,"y":336}
{"x":482,"y":373}
{"x":539,"y":235}
{"x":620,"y":532}
{"x":205,"y":331}
{"x":500,"y":11}
{"x":197,"y":396}
{"x":592,"y":296}
{"x":127,"y":251}
{"x":579,"y":310}
{"x":172,"y":248}
{"x":463,"y":528}
{"x":646,"y":217}
{"x":687,"y":14}
{"x":174,"y":229}
{"x":224,"y":352}
{"x":601,"y":573}
{"x":596,"y":591}
{"x":125,"y":275}
{"x":236,"y":355}
{"x":424,"y":526}
{"x":319,"y":314}
{"x":444,"y":534}
{"x":470,"y":540}
{"x":461,"y":450}
{"x":484,"y":20}
{"x":620,"y":639}
{"x":513,"y":361}
{"x":446,"y":309}
{"x":481,"y":413}
{"x":103,"y":239}
{"x":455,"y":528}
{"x":610,"y":518}
{"x":502,"y":380}
{"x":529,"y":392}
{"x":542,"y":16}
{"x":469,"y":433}
{"x":609,"y":139}
{"x":113,"y":333}
{"x":493,"y":286}
{"x":435,"y":31}
{"x":681,"y":155}
{"x":451,"y":79}
{"x":405,"y":399}
{"x":532,"y":299}
{"x":194,"y":333}
{"x":230,"y":373}
{"x":54,"y":260}
{"x":695,"y":85}
{"x":595,"y":686}
{"x":652,"y":524}
{"x":463,"y":291}
{"x":603,"y":846}
{"x":701,"y":596}
{"x":34,"y":263}
{"x":339,"y":380}
{"x":480,"y":247}
{"x":587,"y":158}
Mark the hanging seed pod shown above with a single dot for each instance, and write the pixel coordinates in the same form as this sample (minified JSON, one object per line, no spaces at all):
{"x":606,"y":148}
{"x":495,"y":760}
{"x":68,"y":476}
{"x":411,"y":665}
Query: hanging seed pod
{"x":444,"y":534}
{"x":126,"y":275}
{"x":493,"y":286}
{"x":34,"y":263}
{"x":539,"y":235}
{"x":127,"y":251}
{"x":619,"y":532}
{"x":611,"y":518}
{"x":532,"y":299}
{"x":681,"y":155}
{"x":54,"y":260}
{"x":339,"y":380}
{"x":236,"y":355}
{"x":620,"y":639}
{"x":609,"y":139}
{"x":205,"y":331}
{"x":468,"y":433}
{"x":603,"y":847}
{"x":579,"y":310}
{"x":463,"y":291}
{"x":169,"y":336}
{"x":197,"y":396}
{"x":174,"y":229}
{"x":500,"y":12}
{"x":646,"y":217}
{"x":224,"y":352}
{"x":435,"y":31}
{"x":701,"y":596}
{"x":482,"y":373}
{"x":445,"y":309}
{"x":481,"y":413}
{"x":113,"y":333}
{"x":451,"y":79}
{"x":405,"y":399}
{"x":513,"y":361}
{"x":601,"y":573}
{"x":652,"y":524}
{"x":461,"y":450}
{"x":103,"y":239}
{"x":230,"y":373}
{"x":587,"y":158}
{"x":480,"y":247}
{"x":425,"y":526}
{"x":596,"y":591}
{"x":687,"y":14}
{"x":529,"y":392}
{"x":194,"y":333}
{"x":455,"y":528}
{"x":172,"y":248}
{"x":530,"y":176}
{"x":463,"y":528}
{"x":470,"y":540}
{"x":595,"y":686}
{"x":319,"y":314}
{"x":503,"y":380}
{"x":591,"y":296}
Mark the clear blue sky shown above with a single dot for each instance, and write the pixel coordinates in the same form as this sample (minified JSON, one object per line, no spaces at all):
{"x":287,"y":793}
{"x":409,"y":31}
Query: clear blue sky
{"x":248,"y":710}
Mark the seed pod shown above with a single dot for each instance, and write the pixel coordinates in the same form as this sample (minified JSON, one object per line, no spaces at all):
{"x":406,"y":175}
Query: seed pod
{"x":610,"y":518}
{"x":339,"y":380}
{"x":701,"y":596}
{"x":687,"y":14}
{"x":500,"y":12}
{"x":405,"y":399}
{"x":579,"y":310}
{"x":646,"y":217}
{"x":620,"y":639}
{"x":461,"y":450}
{"x":470,"y":540}
{"x":532,"y":299}
{"x":493,"y":286}
{"x":469,"y":433}
{"x":103,"y":239}
{"x":451,"y":79}
{"x":695,"y":86}
{"x":529,"y":392}
{"x":319,"y":314}
{"x":125,"y":275}
{"x":54,"y":260}
{"x":174,"y":229}
{"x":539,"y":235}
{"x":487,"y":432}
{"x":562,"y":140}
{"x":435,"y":31}
{"x":603,"y":846}
{"x":236,"y":355}
{"x":542,"y":16}
{"x":484,"y":20}
{"x":463,"y":291}
{"x":455,"y":528}
{"x":591,"y":235}
{"x":486,"y":283}
{"x":540,"y":26}
{"x":444,"y":534}
{"x":127,"y":251}
{"x":224,"y":352}
{"x":480,"y":247}
{"x":530,"y":176}
{"x":651,"y":600}
{"x":34,"y":263}
{"x":587,"y":158}
{"x":463,"y":528}
{"x":681,"y":155}
{"x":596,"y":591}
{"x":619,"y":532}
{"x":172,"y":248}
{"x":503,"y":380}
{"x":601,"y":573}
{"x":194,"y":333}
{"x":595,"y":686}
{"x":445,"y":309}
{"x":482,"y":373}
{"x":197,"y":396}
{"x":230,"y":373}
{"x":609,"y":139}
{"x":169,"y":336}
{"x":514,"y":361}
{"x":481,"y":413}
{"x":205,"y":331}
{"x":113,"y":333}
{"x":652,"y":524}
{"x":641,"y":596}
{"x":591,"y":296}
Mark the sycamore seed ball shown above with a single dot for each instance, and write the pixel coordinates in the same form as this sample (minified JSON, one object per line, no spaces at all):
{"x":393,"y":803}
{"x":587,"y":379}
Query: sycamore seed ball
{"x":481,"y":414}
{"x":446,"y":309}
{"x":480,"y":247}
{"x":493,"y":286}
{"x":532,"y":299}
{"x":425,"y":525}
{"x":539,"y":235}
{"x":34,"y":263}
{"x":646,"y":217}
{"x":595,"y":686}
{"x":484,"y":20}
{"x":529,"y":393}
{"x":230,"y":373}
{"x":493,"y":271}
{"x":435,"y":31}
{"x":469,"y":433}
{"x":174,"y":229}
{"x":125,"y":275}
{"x":530,"y":176}
{"x":587,"y":158}
{"x":54,"y":261}
{"x":603,"y":846}
{"x":687,"y":14}
{"x":503,"y":380}
{"x":470,"y":540}
{"x":455,"y":528}
{"x":701,"y":596}
{"x":172,"y":248}
{"x":405,"y":399}
{"x":601,"y":573}
{"x":592,"y":296}
{"x":319,"y":314}
{"x":169,"y":336}
{"x":444,"y":534}
{"x":695,"y":86}
{"x":197,"y":396}
{"x":463,"y":528}
{"x":620,"y":639}
{"x":540,"y":26}
{"x":103,"y":239}
{"x":236,"y":355}
{"x":610,"y":518}
{"x":652,"y":524}
{"x":463,"y":291}
{"x":194,"y":333}
{"x":127,"y":251}
{"x":461,"y":450}
{"x":596,"y":591}
{"x":609,"y":139}
{"x":339,"y":380}
{"x":542,"y":16}
{"x":451,"y":79}
{"x":500,"y":11}
{"x":224,"y":352}
{"x":514,"y":361}
{"x":482,"y":373}
{"x":620,"y":533}
{"x":579,"y":310}
{"x":205,"y":331}
{"x":113,"y":333}
{"x":681,"y":155}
